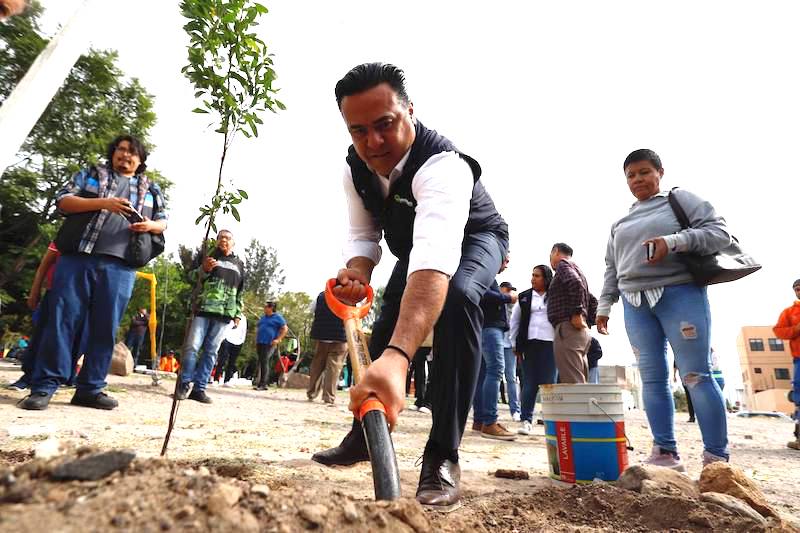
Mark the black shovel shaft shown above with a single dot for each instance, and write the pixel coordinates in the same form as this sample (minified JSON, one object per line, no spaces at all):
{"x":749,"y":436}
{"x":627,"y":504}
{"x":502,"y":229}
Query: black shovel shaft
{"x":385,"y":474}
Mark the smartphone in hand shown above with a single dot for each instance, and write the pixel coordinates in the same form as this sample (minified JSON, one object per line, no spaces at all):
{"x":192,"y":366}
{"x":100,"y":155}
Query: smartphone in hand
{"x":134,"y":217}
{"x":650,"y":250}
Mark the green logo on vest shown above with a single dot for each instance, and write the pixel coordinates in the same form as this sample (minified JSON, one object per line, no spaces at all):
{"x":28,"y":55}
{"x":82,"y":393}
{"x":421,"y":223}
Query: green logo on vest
{"x":405,"y":201}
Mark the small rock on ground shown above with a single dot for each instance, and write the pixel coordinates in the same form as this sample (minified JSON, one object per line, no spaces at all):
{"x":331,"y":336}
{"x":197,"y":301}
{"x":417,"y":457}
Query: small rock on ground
{"x":263,"y":490}
{"x":93,"y":467}
{"x":222,"y":497}
{"x":350,"y":512}
{"x":314,"y":513}
{"x":662,"y":479}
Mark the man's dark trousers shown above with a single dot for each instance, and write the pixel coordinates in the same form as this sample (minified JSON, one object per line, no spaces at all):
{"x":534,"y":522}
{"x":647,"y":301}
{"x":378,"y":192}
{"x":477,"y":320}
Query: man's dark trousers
{"x":456,"y":338}
{"x":226,"y":359}
{"x":134,"y":341}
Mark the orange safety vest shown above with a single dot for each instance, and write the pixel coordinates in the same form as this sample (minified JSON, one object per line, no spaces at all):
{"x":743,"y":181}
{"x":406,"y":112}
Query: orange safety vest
{"x":168,"y":364}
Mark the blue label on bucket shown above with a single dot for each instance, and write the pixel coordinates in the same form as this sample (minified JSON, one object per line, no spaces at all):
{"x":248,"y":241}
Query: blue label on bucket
{"x":582,"y":451}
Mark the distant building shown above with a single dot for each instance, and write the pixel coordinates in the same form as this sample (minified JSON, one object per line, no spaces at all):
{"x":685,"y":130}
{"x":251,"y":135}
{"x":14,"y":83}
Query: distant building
{"x":766,"y":369}
{"x":628,"y":379}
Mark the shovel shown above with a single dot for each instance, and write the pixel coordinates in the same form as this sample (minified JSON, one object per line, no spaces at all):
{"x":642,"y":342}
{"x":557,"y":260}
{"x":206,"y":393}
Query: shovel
{"x":372,"y":413}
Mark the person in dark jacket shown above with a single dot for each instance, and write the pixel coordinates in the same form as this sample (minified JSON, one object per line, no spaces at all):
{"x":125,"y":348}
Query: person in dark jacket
{"x":593,"y":356}
{"x":221,"y":301}
{"x":413,"y":187}
{"x":495,"y":324}
{"x":330,"y":351}
{"x":136,"y":332}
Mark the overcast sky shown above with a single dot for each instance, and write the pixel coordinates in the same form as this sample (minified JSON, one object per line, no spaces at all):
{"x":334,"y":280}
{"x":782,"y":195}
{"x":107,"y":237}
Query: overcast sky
{"x":548,"y":96}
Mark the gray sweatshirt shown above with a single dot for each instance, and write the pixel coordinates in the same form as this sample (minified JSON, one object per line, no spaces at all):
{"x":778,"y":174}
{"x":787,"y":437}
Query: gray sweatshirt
{"x":626,"y":266}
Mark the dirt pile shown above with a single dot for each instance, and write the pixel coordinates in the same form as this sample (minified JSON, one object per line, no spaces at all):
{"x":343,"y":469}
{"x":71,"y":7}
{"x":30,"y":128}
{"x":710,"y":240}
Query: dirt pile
{"x":160,"y":495}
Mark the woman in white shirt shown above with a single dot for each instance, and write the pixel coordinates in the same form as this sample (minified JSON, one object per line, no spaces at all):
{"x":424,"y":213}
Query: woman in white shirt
{"x":532,"y":339}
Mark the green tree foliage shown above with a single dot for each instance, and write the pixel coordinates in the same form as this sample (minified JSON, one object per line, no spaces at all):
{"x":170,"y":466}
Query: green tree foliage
{"x":95,"y":104}
{"x":375,"y":310}
{"x":264,"y":275}
{"x":296,"y":309}
{"x":232,"y":74}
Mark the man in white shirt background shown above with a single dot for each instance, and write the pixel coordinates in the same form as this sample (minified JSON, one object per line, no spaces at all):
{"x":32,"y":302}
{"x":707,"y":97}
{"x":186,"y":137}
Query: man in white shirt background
{"x":230,"y":348}
{"x":410,"y":185}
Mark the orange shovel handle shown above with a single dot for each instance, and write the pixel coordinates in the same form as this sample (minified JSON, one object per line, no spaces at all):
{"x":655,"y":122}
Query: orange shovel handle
{"x":370,"y":404}
{"x":341,"y":309}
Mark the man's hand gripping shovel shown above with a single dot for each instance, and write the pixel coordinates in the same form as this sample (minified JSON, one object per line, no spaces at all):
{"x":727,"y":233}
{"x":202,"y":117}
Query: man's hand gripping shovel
{"x":385,"y":474}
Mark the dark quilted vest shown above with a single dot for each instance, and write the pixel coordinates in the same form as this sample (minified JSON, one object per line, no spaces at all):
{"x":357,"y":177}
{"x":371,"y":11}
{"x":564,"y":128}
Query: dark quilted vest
{"x":524,"y":318}
{"x":326,"y":325}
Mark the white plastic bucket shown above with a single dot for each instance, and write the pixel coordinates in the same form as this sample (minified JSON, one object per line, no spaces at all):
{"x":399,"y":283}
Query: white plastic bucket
{"x":585,"y":431}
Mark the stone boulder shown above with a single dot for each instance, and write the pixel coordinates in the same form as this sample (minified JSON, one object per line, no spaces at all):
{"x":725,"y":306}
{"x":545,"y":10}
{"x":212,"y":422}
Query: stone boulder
{"x":295,"y":380}
{"x":728,"y":479}
{"x":657,"y":479}
{"x":734,"y":505}
{"x":121,"y":360}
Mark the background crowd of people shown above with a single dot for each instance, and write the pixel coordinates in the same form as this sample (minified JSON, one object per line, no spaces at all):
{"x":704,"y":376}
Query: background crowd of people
{"x":444,"y":318}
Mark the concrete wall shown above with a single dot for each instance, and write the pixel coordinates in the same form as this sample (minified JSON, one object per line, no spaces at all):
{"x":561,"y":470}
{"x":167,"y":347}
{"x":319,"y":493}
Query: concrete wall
{"x":772,"y":400}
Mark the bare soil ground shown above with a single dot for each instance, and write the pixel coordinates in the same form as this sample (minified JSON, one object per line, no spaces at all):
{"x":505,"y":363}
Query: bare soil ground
{"x":247,"y":440}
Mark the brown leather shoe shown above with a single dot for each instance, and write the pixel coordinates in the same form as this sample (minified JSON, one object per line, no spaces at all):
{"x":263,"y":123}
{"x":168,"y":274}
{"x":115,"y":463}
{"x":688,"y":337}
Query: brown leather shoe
{"x":352,"y":450}
{"x":497,"y":432}
{"x":439,"y":483}
{"x":477,"y":426}
{"x":793,"y":444}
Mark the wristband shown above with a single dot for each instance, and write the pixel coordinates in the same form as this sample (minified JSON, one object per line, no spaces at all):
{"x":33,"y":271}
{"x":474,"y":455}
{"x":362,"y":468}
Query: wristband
{"x":402,"y":351}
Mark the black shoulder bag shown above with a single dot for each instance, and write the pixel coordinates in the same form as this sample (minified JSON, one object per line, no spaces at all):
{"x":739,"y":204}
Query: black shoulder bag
{"x":68,"y":238}
{"x":143,"y":247}
{"x":726,"y":265}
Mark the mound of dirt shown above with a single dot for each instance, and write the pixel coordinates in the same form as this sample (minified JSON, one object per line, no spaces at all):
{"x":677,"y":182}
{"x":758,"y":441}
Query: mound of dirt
{"x":596,"y":507}
{"x":160,"y":495}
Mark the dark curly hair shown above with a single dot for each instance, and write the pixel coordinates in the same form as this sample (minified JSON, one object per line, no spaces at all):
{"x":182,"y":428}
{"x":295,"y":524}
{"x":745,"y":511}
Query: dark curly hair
{"x":135,"y":144}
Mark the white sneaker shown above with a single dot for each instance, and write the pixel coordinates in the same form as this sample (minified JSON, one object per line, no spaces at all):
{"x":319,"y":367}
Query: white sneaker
{"x":526,"y":429}
{"x":515,"y":417}
{"x":659,"y":457}
{"x":413,"y":407}
{"x":425,"y":410}
{"x":227,"y":385}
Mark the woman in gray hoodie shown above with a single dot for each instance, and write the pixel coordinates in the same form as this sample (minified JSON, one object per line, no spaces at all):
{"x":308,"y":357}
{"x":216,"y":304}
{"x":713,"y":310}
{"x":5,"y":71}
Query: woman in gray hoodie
{"x":663,"y":304}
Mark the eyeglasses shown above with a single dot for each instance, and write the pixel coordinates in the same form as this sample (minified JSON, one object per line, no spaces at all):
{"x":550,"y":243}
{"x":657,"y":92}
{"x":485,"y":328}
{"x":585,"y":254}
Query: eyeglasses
{"x":127,"y":150}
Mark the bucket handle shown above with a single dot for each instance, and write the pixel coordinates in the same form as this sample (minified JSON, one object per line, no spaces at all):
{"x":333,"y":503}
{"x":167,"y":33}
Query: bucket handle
{"x":593,"y":401}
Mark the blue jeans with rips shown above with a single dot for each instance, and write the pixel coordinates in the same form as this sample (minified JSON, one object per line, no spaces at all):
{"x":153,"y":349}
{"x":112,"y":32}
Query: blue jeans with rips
{"x":494,"y":359}
{"x":681,"y":317}
{"x":88,"y":297}
{"x":206,"y":335}
{"x":511,"y":380}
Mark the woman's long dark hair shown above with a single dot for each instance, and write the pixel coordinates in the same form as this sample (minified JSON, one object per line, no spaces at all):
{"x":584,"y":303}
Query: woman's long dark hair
{"x":547,"y":274}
